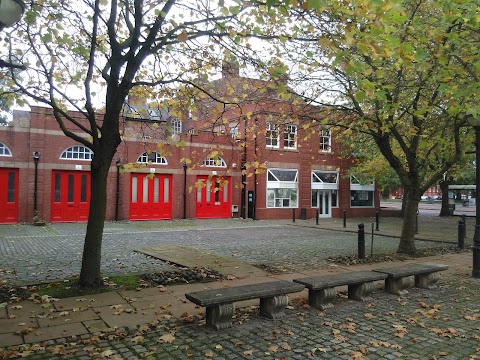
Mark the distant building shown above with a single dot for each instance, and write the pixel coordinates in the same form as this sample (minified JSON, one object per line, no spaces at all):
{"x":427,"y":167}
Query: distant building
{"x":251,"y":158}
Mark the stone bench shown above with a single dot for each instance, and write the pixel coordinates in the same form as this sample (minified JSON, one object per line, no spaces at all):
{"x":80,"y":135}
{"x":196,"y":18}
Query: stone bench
{"x":426,"y":275}
{"x":220,"y":302}
{"x":322,"y":288}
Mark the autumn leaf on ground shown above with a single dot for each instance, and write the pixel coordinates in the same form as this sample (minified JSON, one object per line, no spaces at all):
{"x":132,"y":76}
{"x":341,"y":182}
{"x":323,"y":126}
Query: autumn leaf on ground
{"x":401,"y":330}
{"x":368,"y":315}
{"x":138,"y":339}
{"x":168,"y":338}
{"x":248,"y":353}
{"x":209,"y":354}
{"x":273,"y":349}
{"x":356,"y":355}
{"x":285,"y":346}
{"x":218,"y":347}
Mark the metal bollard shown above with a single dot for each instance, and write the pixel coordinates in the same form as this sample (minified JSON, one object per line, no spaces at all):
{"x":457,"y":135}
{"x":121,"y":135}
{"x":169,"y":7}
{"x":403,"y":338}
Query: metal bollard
{"x":416,"y":223}
{"x":464,"y":218}
{"x":461,"y":234}
{"x":361,"y":241}
{"x":293,"y":211}
{"x":377,"y":221}
{"x":344,"y":218}
{"x":316,"y":216}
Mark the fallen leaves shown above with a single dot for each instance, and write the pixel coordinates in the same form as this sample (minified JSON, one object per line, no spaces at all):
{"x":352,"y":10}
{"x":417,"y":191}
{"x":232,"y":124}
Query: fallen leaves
{"x":166,"y":338}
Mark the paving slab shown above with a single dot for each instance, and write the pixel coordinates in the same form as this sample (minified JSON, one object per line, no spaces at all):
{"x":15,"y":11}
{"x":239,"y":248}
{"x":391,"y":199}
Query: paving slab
{"x":98,"y":300}
{"x":64,"y":317}
{"x":10,"y":339}
{"x":155,"y":302}
{"x":95,"y":326}
{"x":55,"y":332}
{"x":191,"y":257}
{"x":18,"y":323}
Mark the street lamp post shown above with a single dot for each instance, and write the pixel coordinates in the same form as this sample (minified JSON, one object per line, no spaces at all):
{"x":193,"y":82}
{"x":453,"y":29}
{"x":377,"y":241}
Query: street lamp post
{"x":118,"y":163}
{"x":36,"y":159}
{"x":11,"y":11}
{"x":475,"y":122}
{"x":185,"y":167}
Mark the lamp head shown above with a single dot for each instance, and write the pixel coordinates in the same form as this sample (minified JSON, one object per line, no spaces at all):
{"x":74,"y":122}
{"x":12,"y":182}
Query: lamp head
{"x":36,"y":155}
{"x":11,"y":11}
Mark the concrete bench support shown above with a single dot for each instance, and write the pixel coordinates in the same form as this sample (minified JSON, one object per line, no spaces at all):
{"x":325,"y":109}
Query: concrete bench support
{"x":220,"y":306}
{"x":398,"y":280}
{"x":322,"y":288}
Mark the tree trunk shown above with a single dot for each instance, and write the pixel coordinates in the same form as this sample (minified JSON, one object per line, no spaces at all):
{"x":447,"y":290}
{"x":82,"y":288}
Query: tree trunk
{"x":444,"y":211}
{"x":404,"y":201}
{"x":90,"y":274}
{"x":409,"y":226}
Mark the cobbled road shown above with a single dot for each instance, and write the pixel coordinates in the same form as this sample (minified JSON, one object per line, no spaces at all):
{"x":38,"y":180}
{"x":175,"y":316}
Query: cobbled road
{"x":32,"y":255}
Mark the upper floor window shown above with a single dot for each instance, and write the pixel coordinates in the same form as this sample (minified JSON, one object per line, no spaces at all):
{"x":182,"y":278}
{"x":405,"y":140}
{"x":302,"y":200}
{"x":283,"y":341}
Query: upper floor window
{"x":214,"y":161}
{"x":234,"y":131}
{"x":325,"y":141}
{"x":176,"y":126}
{"x":290,"y":137}
{"x":272,"y":135}
{"x":152,"y":158}
{"x":77,"y":152}
{"x":4,"y":150}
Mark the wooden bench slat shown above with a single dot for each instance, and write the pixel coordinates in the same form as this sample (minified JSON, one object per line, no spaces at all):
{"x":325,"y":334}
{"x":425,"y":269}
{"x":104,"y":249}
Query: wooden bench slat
{"x":351,"y":278}
{"x":244,"y":292}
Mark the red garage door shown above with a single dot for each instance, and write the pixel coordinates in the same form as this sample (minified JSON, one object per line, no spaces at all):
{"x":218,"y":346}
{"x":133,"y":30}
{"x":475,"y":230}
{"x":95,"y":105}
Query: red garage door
{"x":150,"y":197}
{"x":213,"y":197}
{"x":70,"y":196}
{"x":8,"y":196}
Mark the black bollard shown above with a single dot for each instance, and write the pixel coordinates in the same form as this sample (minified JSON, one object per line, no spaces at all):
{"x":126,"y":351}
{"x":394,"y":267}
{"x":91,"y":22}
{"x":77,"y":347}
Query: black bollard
{"x":416,"y":223}
{"x":293,"y":211}
{"x":344,"y":218}
{"x":377,"y":221}
{"x":464,"y":219}
{"x":361,"y":241}
{"x":461,"y":234}
{"x":316,"y":216}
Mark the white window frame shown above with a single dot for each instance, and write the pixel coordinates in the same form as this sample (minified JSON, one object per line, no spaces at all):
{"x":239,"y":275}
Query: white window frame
{"x":362,"y":190}
{"x":77,"y":153}
{"x":176,"y":126}
{"x":276,"y":186}
{"x":272,"y":135}
{"x":234,"y":131}
{"x":325,"y":140}
{"x":290,"y":136}
{"x":152,"y":158}
{"x":214,"y":162}
{"x":4,"y":150}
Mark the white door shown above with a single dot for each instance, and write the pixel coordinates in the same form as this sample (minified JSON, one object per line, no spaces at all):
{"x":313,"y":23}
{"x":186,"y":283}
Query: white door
{"x":324,"y":201}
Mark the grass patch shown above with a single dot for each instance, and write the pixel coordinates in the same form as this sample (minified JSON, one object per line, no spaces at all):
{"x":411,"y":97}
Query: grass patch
{"x":70,"y":288}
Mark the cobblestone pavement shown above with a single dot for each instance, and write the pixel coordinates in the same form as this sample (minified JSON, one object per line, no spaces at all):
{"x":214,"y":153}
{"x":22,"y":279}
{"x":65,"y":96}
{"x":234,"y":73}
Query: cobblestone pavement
{"x":440,"y":323}
{"x":31,"y":255}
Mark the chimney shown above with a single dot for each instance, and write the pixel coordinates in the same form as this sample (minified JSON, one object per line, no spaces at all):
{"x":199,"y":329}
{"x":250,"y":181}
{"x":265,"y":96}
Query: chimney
{"x":230,"y":68}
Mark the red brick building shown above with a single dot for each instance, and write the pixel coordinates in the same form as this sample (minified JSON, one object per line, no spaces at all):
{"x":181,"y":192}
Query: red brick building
{"x":173,"y":168}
